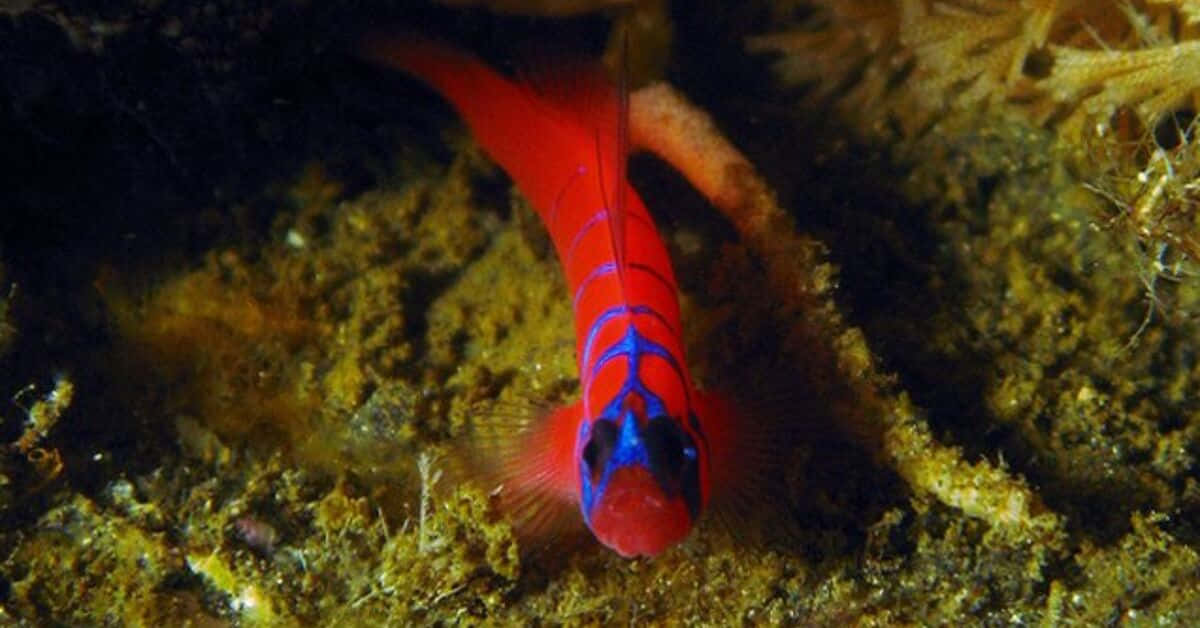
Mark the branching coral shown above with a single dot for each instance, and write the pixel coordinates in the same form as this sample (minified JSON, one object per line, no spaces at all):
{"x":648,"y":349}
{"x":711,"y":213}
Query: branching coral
{"x":1111,"y":72}
{"x":974,"y":51}
{"x":962,"y":52}
{"x":1153,"y":82}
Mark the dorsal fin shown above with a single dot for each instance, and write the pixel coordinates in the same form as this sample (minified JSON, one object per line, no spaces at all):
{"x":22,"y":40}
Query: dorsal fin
{"x":579,"y":93}
{"x":616,"y":197}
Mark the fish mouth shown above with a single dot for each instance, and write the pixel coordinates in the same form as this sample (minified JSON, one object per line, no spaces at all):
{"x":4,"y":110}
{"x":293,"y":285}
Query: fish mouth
{"x":634,"y":517}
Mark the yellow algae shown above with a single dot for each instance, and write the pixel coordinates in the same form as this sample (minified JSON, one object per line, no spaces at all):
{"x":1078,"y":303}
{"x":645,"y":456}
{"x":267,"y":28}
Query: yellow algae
{"x":44,"y":412}
{"x":1088,"y":57}
{"x":96,"y":567}
{"x":511,"y":317}
{"x":251,"y":604}
{"x":243,"y":342}
{"x":1163,"y":565}
{"x":225,"y":350}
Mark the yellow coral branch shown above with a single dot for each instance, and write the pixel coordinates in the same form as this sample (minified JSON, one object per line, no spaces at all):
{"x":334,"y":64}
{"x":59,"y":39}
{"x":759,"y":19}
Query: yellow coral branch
{"x":978,"y":48}
{"x":1153,"y":81}
{"x":666,"y":123}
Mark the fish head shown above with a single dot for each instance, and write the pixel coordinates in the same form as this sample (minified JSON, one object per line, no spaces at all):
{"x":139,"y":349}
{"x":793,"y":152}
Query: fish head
{"x":639,"y":482}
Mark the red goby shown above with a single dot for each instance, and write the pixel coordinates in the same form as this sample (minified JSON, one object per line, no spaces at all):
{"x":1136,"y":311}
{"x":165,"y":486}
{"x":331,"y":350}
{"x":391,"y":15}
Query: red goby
{"x":642,"y":449}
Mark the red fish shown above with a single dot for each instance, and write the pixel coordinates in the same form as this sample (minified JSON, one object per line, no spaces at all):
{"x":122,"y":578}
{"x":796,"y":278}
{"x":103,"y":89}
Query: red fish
{"x":642,"y":451}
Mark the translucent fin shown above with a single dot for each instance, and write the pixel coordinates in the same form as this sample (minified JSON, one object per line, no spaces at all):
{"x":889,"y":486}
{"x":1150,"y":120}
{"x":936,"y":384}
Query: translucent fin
{"x":572,"y":90}
{"x":580,"y":94}
{"x":616,"y":199}
{"x":523,"y":456}
{"x":750,"y":500}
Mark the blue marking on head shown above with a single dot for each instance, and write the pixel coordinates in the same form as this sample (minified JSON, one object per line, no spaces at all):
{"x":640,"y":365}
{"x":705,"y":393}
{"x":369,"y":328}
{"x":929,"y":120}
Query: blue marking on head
{"x":659,"y":445}
{"x":607,"y":268}
{"x":614,"y":444}
{"x":632,"y":344}
{"x":630,"y":447}
{"x":594,"y":220}
{"x":618,"y":437}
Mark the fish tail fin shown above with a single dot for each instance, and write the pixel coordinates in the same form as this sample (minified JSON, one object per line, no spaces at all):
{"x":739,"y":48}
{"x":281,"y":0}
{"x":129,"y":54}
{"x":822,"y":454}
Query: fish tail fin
{"x":523,"y":134}
{"x":432,"y":61}
{"x":580,"y":94}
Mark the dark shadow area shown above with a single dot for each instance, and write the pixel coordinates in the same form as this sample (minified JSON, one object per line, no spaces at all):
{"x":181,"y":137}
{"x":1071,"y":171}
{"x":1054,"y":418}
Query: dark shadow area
{"x":139,"y":152}
{"x":899,"y":279}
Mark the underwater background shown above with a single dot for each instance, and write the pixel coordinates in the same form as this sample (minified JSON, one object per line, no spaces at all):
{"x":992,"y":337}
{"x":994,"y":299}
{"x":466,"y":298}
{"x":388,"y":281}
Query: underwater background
{"x":254,"y":291}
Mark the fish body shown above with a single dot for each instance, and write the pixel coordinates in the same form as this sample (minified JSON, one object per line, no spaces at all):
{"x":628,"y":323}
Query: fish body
{"x":637,"y":453}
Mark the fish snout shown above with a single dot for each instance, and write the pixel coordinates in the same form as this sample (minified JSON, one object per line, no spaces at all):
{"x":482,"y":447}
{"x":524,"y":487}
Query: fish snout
{"x":635,"y":518}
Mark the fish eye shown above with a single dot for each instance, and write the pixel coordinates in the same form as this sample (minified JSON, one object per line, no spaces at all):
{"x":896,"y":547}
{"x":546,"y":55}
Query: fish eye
{"x":673,"y":459}
{"x":600,"y":446}
{"x":671,"y":449}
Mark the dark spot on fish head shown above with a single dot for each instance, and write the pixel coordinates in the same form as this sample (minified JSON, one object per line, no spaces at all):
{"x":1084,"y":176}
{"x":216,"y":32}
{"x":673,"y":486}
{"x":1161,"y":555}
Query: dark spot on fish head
{"x":599,"y":449}
{"x":674,"y":460}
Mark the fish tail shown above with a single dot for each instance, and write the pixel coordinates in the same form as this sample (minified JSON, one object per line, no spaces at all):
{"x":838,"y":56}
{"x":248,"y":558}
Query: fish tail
{"x":503,"y":115}
{"x":444,"y":67}
{"x":457,"y":75}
